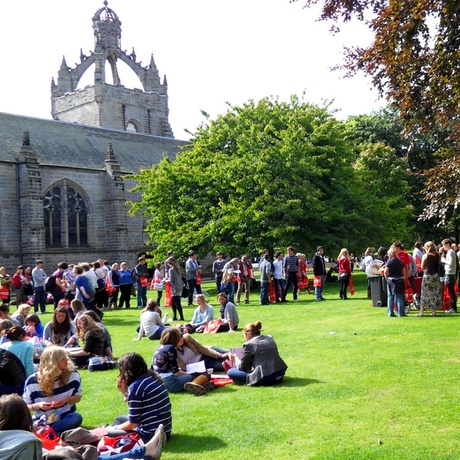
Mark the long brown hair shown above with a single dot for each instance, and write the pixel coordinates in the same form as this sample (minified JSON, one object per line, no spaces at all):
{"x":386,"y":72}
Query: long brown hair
{"x":14,"y":414}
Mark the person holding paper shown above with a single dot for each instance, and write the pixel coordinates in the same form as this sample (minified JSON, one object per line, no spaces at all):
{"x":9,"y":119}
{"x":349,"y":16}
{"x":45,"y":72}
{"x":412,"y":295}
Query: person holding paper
{"x":201,"y":316}
{"x":166,"y":364}
{"x":260,"y":363}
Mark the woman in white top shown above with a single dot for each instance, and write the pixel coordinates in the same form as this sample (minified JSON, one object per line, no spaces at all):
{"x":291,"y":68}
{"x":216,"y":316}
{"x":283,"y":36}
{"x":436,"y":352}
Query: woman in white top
{"x":202,"y":314}
{"x":152,"y":324}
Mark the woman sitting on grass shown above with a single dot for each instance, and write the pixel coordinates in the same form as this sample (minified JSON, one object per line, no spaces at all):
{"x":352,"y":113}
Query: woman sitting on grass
{"x":34,"y":327}
{"x":18,"y":441}
{"x":18,"y":344}
{"x":202,"y":315}
{"x":147,"y":398}
{"x":261,"y":363}
{"x":93,"y":339}
{"x":21,"y":314}
{"x":165,"y":363}
{"x":54,"y":390}
{"x":60,"y":329}
{"x":191,"y":351}
{"x":152,"y":324}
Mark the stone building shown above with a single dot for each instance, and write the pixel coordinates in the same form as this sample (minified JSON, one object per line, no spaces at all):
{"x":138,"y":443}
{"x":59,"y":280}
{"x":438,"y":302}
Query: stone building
{"x":63,"y":183}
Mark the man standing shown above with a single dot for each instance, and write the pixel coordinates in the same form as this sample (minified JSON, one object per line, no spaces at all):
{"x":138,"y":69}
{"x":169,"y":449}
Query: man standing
{"x":265,"y":277}
{"x":140,"y":275}
{"x":60,"y":286}
{"x":39,"y":277}
{"x":319,"y":271}
{"x":278,"y":276}
{"x":291,"y":269}
{"x":217,"y":267}
{"x":192,"y":268}
{"x":449,"y":260}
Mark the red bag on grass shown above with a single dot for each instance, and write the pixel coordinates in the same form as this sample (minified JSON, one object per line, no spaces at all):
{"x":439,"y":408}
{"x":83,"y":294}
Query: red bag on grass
{"x":409,"y":294}
{"x":212,"y":326}
{"x":350,"y":285}
{"x":48,"y":437}
{"x":111,"y":445}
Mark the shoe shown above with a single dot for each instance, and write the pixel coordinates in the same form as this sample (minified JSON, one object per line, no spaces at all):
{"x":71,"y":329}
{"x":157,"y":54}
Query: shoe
{"x":209,"y":386}
{"x":227,"y":365}
{"x":421,"y":314}
{"x":319,"y":300}
{"x":295,"y":300}
{"x":195,"y":388}
{"x":246,"y":302}
{"x":154,"y":448}
{"x":451,"y":311}
{"x":181,"y":319}
{"x":174,"y":319}
{"x":322,"y":298}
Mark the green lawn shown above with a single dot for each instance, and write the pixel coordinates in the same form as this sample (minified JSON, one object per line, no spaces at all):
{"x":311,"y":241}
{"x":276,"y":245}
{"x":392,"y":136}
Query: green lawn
{"x":360,"y":385}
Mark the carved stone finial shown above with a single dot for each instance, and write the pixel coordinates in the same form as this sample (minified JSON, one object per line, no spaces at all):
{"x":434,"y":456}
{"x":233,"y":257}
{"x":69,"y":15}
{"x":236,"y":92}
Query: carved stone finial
{"x":106,"y":3}
{"x":109,"y":152}
{"x":26,"y":138}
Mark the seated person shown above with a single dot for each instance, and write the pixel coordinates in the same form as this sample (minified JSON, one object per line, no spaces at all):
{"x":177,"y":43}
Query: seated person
{"x":92,"y":337}
{"x":151,"y":322}
{"x":261,"y":363}
{"x":201,"y":316}
{"x":191,"y":351}
{"x":166,"y":364}
{"x":54,"y":390}
{"x":34,"y":327}
{"x":60,"y":330}
{"x":228,"y":314}
{"x":18,"y":344}
{"x":12,"y":373}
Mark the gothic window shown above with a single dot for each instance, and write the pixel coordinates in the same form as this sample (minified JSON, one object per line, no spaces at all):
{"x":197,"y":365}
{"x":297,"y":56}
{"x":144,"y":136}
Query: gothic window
{"x":65,"y":217}
{"x":133,"y":126}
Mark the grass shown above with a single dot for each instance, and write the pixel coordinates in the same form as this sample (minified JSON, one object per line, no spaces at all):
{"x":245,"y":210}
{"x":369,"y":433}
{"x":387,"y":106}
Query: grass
{"x":360,"y":385}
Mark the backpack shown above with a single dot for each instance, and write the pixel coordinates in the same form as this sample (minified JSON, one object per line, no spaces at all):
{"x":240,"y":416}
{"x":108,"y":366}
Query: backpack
{"x":50,"y":283}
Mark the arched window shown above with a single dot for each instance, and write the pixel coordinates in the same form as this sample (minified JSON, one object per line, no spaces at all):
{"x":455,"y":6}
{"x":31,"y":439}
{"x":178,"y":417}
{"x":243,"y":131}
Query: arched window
{"x":65,"y":217}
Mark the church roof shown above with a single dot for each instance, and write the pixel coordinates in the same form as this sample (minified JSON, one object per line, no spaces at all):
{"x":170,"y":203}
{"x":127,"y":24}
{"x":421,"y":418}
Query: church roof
{"x":70,"y":145}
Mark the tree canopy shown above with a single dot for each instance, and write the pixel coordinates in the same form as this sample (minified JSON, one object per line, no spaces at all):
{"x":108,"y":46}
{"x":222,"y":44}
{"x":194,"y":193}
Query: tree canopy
{"x":272,"y":174}
{"x":414,"y":61}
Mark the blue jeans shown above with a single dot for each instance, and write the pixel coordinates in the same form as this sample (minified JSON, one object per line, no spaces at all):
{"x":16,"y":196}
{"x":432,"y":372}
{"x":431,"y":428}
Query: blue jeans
{"x":70,"y":421}
{"x":231,"y":292}
{"x":395,"y":292}
{"x":264,"y":291}
{"x":157,"y":334}
{"x":240,"y":377}
{"x":137,"y":452}
{"x":319,"y":289}
{"x":279,"y":289}
{"x":175,"y":383}
{"x":39,"y":299}
{"x":141,"y":295}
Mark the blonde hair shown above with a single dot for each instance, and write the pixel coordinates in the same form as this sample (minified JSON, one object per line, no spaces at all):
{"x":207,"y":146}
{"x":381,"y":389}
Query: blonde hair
{"x":369,"y":252}
{"x":201,"y":297}
{"x":343,"y":253}
{"x":431,"y":247}
{"x":48,"y":370}
{"x":22,"y":307}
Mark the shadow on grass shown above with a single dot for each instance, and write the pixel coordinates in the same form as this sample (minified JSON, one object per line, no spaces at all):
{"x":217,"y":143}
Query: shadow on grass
{"x":186,"y":443}
{"x":297,"y":382}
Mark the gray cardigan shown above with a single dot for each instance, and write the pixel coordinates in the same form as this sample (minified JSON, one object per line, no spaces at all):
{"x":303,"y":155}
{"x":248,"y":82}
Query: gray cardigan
{"x":261,"y":355}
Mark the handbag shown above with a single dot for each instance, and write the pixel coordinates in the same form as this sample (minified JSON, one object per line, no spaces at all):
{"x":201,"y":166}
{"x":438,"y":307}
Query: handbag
{"x":351,"y":286}
{"x":101,"y":363}
{"x":212,"y":326}
{"x":317,"y":281}
{"x":109,"y":445}
{"x":185,"y":291}
{"x":143,"y":281}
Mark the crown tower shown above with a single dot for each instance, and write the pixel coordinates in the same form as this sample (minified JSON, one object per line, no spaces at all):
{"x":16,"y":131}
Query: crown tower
{"x":111,"y":105}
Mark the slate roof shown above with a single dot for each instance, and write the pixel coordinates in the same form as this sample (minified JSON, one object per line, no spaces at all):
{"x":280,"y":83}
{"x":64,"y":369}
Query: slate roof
{"x":75,"y":145}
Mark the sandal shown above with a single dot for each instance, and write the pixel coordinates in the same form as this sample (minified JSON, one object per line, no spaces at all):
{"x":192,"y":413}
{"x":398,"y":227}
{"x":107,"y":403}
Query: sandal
{"x":419,"y":314}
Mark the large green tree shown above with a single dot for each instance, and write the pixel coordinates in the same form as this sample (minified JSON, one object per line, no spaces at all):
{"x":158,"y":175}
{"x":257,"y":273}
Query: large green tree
{"x":414,"y":61}
{"x":265,"y":174}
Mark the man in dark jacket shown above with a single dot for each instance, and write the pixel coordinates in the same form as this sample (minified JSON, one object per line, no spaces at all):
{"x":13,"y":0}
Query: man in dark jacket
{"x":319,"y":270}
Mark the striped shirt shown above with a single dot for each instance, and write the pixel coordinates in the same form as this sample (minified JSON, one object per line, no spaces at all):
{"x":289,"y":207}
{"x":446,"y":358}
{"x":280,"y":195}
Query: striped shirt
{"x":33,"y":394}
{"x":291,"y":264}
{"x":149,"y":406}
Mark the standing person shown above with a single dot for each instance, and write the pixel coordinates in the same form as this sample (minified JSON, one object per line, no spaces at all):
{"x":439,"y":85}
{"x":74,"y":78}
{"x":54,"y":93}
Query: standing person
{"x":60,"y":286}
{"x":140,"y":276}
{"x":449,"y":260}
{"x":344,"y":269}
{"x":158,"y":284}
{"x":418,"y":256}
{"x":261,"y":363}
{"x":5,"y":285}
{"x":278,"y":276}
{"x":217,"y":268}
{"x":82,"y":287}
{"x":229,"y":277}
{"x":395,"y":274}
{"x":54,"y":390}
{"x":39,"y":277}
{"x":244,"y":280}
{"x":291,"y":270}
{"x":430,"y":295}
{"x":175,"y":278}
{"x":101,"y":298}
{"x":126,"y":285}
{"x":147,"y":397}
{"x":319,"y":271}
{"x":114,"y":277}
{"x":228,"y":314}
{"x":192,"y":268}
{"x":266,"y":274}
{"x":69,"y":279}
{"x":19,"y":281}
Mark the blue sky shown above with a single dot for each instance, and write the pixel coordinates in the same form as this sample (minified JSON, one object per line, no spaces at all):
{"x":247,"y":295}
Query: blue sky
{"x":211,"y":51}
